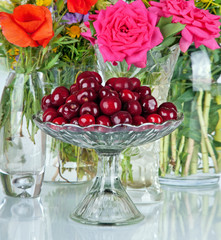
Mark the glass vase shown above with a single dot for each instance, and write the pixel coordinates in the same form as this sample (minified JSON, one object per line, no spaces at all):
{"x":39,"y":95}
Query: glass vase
{"x":139,"y":166}
{"x":22,"y":148}
{"x":191,"y":156}
{"x":66,"y":163}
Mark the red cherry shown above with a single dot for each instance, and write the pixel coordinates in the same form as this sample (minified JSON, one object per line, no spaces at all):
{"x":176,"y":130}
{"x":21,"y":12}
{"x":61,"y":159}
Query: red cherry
{"x":59,"y":95}
{"x":46,"y":102}
{"x":168,"y":105}
{"x":70,"y":110}
{"x":119,"y":84}
{"x":110,"y":105}
{"x":167,"y":113}
{"x":72,"y":98}
{"x":86,"y":95}
{"x":90,"y":83}
{"x":88,"y":75}
{"x":60,"y":121}
{"x":138,"y":120}
{"x":126,"y":95}
{"x":143,"y":91}
{"x":49,"y":115}
{"x":103,"y":120}
{"x":74,"y":88}
{"x":59,"y":111}
{"x":154,"y":118}
{"x":137,"y":96}
{"x":49,"y":110}
{"x":110,"y":83}
{"x":121,"y":117}
{"x":133,"y":107}
{"x":91,"y":108}
{"x":135,"y":82}
{"x":74,"y":120}
{"x":103,"y":92}
{"x":113,"y":93}
{"x":82,"y":76}
{"x":97,"y":77}
{"x":149,"y":104}
{"x":109,"y":87}
{"x":122,"y":83}
{"x":86,"y":120}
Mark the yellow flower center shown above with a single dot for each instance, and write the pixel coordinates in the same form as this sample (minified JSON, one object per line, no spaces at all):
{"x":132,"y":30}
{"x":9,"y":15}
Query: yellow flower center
{"x":74,"y":31}
{"x":45,"y":3}
{"x":13,"y":51}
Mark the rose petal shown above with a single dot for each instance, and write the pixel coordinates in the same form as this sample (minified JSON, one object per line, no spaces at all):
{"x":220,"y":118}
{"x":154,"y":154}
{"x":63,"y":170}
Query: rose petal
{"x":184,"y":44}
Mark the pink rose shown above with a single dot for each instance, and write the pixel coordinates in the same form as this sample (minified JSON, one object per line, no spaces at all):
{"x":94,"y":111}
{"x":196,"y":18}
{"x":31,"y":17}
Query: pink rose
{"x":126,"y":32}
{"x":201,"y":27}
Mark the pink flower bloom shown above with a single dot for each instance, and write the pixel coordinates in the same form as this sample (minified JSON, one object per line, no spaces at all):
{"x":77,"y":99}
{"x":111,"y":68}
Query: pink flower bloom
{"x":201,"y":27}
{"x":126,"y":31}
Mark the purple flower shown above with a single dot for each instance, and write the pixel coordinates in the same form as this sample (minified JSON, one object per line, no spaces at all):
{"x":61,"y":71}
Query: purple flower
{"x":75,"y":18}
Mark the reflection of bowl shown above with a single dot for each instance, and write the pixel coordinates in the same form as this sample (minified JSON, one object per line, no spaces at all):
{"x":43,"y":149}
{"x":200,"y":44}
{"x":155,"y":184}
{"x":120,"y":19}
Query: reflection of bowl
{"x":102,"y":137}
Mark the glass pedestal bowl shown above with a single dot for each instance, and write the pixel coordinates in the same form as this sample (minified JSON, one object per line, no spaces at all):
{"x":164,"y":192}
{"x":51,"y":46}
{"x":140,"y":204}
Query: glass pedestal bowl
{"x":107,"y":202}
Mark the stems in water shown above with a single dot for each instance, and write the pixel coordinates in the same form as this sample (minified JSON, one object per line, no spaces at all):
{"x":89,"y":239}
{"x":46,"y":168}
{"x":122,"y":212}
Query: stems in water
{"x":204,"y":130}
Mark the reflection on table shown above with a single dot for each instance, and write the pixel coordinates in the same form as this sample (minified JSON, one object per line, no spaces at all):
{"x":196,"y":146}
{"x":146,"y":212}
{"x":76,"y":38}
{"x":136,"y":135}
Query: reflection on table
{"x":193,"y":214}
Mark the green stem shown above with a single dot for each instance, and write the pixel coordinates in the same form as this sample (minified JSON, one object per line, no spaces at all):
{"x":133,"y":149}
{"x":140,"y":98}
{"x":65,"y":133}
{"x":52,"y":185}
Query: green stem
{"x":194,"y":161}
{"x":161,"y":156}
{"x":173,"y":146}
{"x":189,"y":156}
{"x":180,"y":150}
{"x":203,"y":130}
{"x":205,"y":158}
{"x":217,"y":136}
{"x":165,"y":153}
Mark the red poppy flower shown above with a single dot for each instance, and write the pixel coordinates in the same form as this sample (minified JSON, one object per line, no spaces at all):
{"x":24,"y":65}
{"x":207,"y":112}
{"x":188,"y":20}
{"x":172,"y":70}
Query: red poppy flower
{"x":28,"y":25}
{"x":80,"y":6}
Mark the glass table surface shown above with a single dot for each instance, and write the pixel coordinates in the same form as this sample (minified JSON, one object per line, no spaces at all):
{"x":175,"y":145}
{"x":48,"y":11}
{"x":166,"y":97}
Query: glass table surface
{"x":183,"y":214}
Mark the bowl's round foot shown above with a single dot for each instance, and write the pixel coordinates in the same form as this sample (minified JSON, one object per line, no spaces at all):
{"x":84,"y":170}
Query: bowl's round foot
{"x":109,"y":206}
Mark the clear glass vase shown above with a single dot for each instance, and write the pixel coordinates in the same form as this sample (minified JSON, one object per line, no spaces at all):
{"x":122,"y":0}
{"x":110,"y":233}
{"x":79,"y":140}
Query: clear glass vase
{"x":22,"y":148}
{"x":138,"y":165}
{"x":66,"y":163}
{"x":191,"y":156}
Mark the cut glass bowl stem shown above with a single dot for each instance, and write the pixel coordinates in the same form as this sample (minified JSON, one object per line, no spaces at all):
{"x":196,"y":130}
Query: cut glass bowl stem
{"x":107,"y":202}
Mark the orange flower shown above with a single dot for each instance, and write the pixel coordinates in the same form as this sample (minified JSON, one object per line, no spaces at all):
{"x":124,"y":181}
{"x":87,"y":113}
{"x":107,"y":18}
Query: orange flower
{"x":28,"y":25}
{"x":80,"y":6}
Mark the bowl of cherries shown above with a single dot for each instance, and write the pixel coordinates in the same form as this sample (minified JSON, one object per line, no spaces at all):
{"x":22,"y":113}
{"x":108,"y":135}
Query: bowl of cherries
{"x":119,"y":101}
{"x":108,"y":118}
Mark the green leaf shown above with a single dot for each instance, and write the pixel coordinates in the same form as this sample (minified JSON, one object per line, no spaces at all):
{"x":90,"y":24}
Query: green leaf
{"x":93,"y":31}
{"x":58,"y":31}
{"x":52,"y":62}
{"x":171,"y":29}
{"x":2,"y":9}
{"x":213,"y":117}
{"x":168,"y":42}
{"x":164,"y":21}
{"x":186,"y":96}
